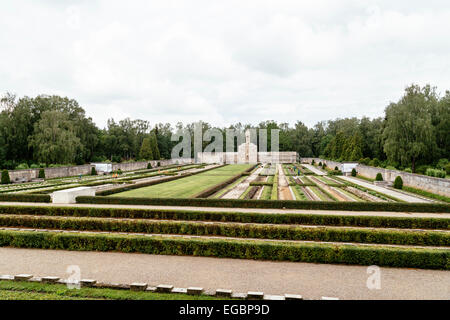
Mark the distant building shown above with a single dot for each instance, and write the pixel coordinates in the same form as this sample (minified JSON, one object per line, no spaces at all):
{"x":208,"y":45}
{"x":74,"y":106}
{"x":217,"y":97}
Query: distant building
{"x":247,"y":153}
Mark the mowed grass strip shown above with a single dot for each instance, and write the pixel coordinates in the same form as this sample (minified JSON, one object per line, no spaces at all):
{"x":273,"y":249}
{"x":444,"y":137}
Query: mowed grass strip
{"x":189,"y":186}
{"x":18,"y":290}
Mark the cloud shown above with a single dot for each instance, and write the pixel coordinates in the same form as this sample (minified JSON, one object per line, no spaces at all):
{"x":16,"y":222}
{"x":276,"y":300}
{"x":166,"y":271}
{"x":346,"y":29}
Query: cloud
{"x":224,"y":61}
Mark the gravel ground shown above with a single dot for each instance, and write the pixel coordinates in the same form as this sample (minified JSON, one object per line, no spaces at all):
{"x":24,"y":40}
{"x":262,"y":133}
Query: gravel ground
{"x":310,"y":280}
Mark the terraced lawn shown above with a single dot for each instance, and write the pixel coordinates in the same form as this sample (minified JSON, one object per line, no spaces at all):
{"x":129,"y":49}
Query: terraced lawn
{"x":189,"y":186}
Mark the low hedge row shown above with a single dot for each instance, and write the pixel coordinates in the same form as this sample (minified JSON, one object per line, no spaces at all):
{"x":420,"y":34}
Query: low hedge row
{"x":19,"y":197}
{"x":273,"y":204}
{"x":260,"y":183}
{"x":278,"y":232}
{"x":244,"y":217}
{"x":258,"y":250}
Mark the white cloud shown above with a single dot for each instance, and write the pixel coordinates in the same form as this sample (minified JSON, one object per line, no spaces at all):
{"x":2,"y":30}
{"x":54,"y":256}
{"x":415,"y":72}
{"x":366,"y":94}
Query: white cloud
{"x":224,"y":61}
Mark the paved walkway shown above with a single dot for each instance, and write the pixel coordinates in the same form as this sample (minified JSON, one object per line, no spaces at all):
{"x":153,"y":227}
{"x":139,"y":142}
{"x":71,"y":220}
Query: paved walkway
{"x":315,"y":170}
{"x":238,"y":190}
{"x":216,"y":209}
{"x":283,"y":185}
{"x":390,"y":192}
{"x":310,"y":280}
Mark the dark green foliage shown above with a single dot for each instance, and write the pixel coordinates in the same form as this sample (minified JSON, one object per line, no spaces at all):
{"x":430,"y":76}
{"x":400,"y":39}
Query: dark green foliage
{"x":379,"y":177}
{"x":260,"y":250}
{"x":336,"y":168}
{"x":149,"y":165}
{"x":5,"y":177}
{"x":398,"y":183}
{"x":238,"y":217}
{"x":273,"y":204}
{"x":254,"y":231}
{"x":353,"y":172}
{"x":19,"y":197}
{"x":93,"y":171}
{"x":41,"y":174}
{"x":447,"y":168}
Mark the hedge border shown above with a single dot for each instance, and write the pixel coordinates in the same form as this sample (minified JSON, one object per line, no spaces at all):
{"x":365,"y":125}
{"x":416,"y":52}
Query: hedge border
{"x":272,"y":204}
{"x":243,"y":217}
{"x":17,"y":197}
{"x":233,"y":230}
{"x":257,"y":250}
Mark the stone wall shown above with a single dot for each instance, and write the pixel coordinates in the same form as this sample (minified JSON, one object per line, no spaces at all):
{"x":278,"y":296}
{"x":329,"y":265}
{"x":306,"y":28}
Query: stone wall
{"x":50,"y":173}
{"x":418,"y":181}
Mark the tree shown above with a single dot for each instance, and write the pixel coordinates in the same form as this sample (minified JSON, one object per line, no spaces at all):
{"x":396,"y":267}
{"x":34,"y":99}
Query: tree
{"x":54,"y":139}
{"x":409,"y":133}
{"x":398,"y":183}
{"x":379,"y":177}
{"x":5,"y":177}
{"x":146,"y":150}
{"x":41,"y":173}
{"x":154,"y":146}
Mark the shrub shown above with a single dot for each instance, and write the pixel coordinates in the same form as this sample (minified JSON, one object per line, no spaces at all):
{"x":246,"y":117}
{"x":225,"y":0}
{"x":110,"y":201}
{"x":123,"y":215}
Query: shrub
{"x":5,"y":177}
{"x":19,"y":197}
{"x":447,"y":168}
{"x":34,"y":166}
{"x":391,"y":168}
{"x":336,"y":168}
{"x":353,"y":172}
{"x":116,"y":159}
{"x":398,"y":183}
{"x":313,"y":162}
{"x":119,"y":171}
{"x":320,"y":164}
{"x":149,"y":165}
{"x":435,"y":173}
{"x":41,"y":174}
{"x":422,"y":169}
{"x":375,"y":162}
{"x":22,"y":166}
{"x":365,"y":161}
{"x":93,"y":171}
{"x":158,"y":164}
{"x":408,"y":170}
{"x":379,"y":177}
{"x":442,"y":163}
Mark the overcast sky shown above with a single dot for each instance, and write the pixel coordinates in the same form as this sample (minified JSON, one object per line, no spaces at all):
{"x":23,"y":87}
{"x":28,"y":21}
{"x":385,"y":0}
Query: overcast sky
{"x":224,"y":61}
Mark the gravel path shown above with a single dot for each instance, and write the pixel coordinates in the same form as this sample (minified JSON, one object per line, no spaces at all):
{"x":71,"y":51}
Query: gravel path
{"x":315,"y":170}
{"x":392,"y":193}
{"x":237,"y":191}
{"x":310,"y":280}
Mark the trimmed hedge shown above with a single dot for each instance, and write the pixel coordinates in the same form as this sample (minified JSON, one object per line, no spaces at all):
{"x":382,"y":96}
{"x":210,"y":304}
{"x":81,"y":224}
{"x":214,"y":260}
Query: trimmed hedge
{"x":273,"y":204}
{"x":245,"y":217}
{"x":19,"y":197}
{"x":258,"y":250}
{"x":278,"y":232}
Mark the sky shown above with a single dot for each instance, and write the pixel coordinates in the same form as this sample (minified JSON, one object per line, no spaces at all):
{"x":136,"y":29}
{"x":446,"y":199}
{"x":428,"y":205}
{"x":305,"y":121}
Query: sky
{"x":224,"y":61}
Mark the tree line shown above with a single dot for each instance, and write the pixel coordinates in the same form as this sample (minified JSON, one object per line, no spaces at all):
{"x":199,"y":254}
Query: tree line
{"x":49,"y":130}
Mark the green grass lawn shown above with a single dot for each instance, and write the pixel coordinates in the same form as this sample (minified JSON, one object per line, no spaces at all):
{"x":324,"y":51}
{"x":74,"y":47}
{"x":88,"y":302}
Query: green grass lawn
{"x":189,"y":186}
{"x":14,"y":290}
